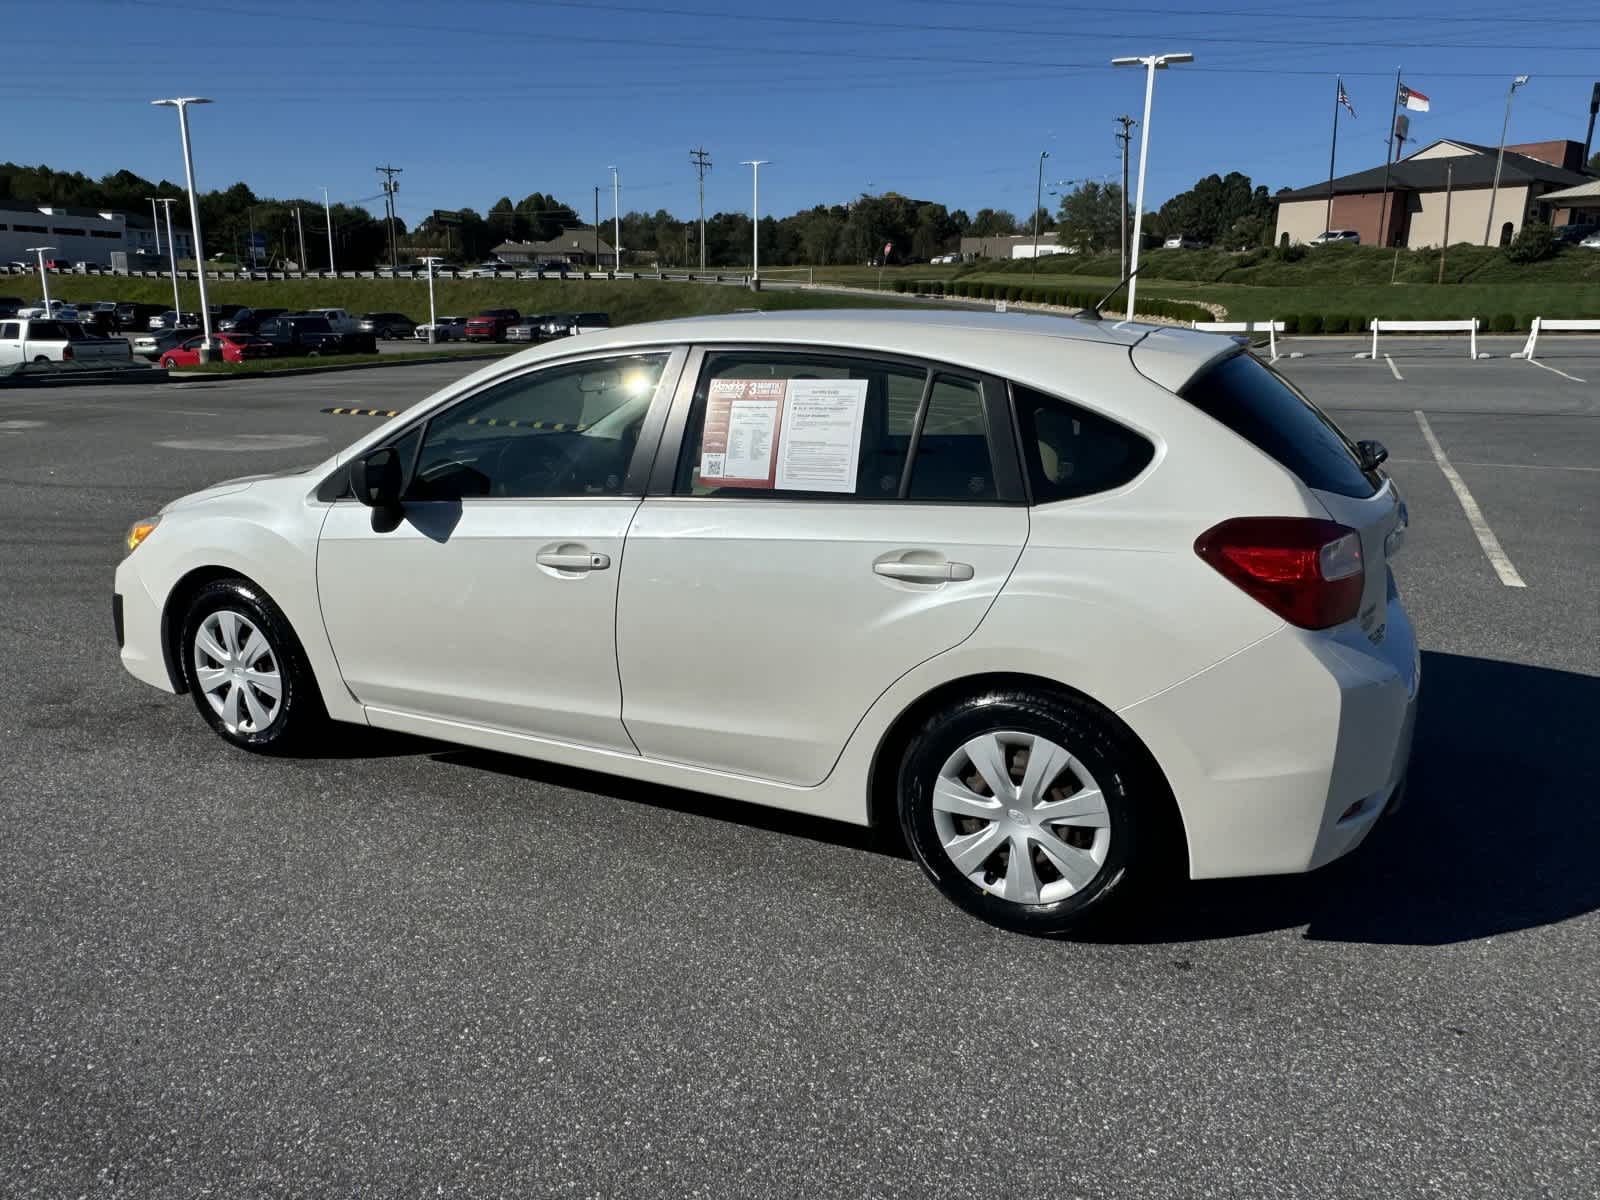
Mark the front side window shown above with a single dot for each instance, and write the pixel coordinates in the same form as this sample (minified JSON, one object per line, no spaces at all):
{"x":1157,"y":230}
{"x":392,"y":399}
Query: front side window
{"x":559,"y":431}
{"x":842,"y":427}
{"x":1071,"y":452}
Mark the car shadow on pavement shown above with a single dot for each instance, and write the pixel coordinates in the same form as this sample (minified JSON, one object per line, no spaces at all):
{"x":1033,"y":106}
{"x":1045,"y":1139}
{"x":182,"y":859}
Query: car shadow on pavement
{"x":1500,"y":830}
{"x":699,"y":804}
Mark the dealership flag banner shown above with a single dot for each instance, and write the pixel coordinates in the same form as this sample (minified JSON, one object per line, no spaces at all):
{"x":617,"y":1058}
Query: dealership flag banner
{"x":1413,"y":99}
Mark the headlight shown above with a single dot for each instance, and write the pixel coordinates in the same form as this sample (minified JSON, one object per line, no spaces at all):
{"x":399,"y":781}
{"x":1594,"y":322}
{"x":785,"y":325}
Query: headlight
{"x":139,"y":530}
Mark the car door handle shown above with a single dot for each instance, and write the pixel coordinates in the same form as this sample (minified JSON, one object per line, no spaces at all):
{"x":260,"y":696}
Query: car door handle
{"x":573,"y":560}
{"x":923,"y":572}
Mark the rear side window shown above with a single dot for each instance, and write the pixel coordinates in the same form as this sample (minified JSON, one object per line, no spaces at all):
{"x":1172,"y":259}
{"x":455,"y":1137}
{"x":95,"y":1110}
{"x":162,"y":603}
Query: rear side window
{"x":1071,"y":452}
{"x":1263,"y":408}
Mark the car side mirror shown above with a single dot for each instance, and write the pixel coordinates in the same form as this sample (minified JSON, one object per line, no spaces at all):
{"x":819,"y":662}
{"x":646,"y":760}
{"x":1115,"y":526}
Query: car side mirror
{"x":1373,"y":454}
{"x":377,"y":480}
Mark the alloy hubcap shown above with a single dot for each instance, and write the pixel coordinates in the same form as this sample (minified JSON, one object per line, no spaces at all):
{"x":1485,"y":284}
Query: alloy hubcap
{"x":1021,"y":818}
{"x":237,"y":671}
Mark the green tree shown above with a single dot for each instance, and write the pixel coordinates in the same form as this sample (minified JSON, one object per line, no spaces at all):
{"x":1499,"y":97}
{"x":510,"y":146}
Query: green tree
{"x":1090,"y":217}
{"x":992,"y":222}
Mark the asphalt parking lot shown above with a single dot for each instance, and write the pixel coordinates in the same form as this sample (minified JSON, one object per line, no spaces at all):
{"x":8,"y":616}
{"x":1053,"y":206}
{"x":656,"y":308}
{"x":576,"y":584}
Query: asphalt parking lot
{"x":407,"y":970}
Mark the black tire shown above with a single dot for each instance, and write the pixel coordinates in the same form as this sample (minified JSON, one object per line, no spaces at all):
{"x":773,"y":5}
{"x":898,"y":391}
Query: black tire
{"x":300,"y":717}
{"x":1133,"y":792}
{"x":386,"y":333}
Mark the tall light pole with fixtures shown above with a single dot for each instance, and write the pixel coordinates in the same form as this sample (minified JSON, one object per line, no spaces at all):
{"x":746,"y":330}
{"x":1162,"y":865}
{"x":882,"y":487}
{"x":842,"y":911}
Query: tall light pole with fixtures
{"x":616,"y":220}
{"x":433,"y":321}
{"x":1151,"y":63}
{"x":327,"y":215}
{"x":755,"y":165}
{"x":44,"y":280}
{"x":1038,"y":200}
{"x":155,"y":220}
{"x":1500,"y":158}
{"x":172,"y":256}
{"x":181,"y":103}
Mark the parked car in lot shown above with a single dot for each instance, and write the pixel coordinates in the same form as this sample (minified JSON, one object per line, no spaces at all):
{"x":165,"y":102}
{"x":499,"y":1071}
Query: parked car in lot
{"x":1575,"y":234}
{"x":58,"y":310}
{"x":224,"y":312}
{"x":171,"y":319}
{"x":1183,"y":241}
{"x":447,"y":329}
{"x":247,"y":319}
{"x":64,"y":343}
{"x":1122,"y":607}
{"x":491,"y":324}
{"x":131,"y":315}
{"x":9,"y":305}
{"x":388,"y":325}
{"x":526,"y":328}
{"x":235,"y":347}
{"x":1592,"y":242}
{"x":152,"y":345}
{"x":1330,"y":236}
{"x":338,"y":319}
{"x":304,"y":333}
{"x":557,"y":325}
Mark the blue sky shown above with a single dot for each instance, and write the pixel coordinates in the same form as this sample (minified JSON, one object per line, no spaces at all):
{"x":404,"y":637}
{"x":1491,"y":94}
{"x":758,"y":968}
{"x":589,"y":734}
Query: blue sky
{"x":950,"y":100}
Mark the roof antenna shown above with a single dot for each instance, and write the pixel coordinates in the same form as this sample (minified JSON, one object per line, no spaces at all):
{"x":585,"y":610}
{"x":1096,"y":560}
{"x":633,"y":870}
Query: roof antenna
{"x":1092,"y":313}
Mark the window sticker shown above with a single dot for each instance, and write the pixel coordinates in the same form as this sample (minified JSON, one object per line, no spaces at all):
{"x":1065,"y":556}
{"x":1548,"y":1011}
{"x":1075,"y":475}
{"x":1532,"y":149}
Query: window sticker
{"x":819,"y":444}
{"x":739,"y":446}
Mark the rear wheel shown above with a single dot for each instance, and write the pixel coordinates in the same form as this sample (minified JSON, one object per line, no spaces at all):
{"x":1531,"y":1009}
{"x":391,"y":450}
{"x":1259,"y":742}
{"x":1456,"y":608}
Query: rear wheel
{"x":1029,"y":809}
{"x":169,"y":363}
{"x":246,"y":670}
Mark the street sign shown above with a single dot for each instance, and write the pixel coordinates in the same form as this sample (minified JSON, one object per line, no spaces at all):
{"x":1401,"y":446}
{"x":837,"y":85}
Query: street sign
{"x":446,"y":217}
{"x":258,"y":246}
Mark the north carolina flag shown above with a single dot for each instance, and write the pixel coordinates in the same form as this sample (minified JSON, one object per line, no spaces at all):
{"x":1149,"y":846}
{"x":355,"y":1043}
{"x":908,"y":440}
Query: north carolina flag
{"x":1412,"y":99}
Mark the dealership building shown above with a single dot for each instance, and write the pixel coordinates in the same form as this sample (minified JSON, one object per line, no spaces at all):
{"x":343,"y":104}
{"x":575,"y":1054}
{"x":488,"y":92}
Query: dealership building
{"x":1460,"y":175}
{"x":82,"y":235}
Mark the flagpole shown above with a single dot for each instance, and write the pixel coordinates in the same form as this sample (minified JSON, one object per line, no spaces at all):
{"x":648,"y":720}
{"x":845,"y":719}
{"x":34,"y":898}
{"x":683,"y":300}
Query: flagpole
{"x":1338,"y":90}
{"x":1388,"y":154}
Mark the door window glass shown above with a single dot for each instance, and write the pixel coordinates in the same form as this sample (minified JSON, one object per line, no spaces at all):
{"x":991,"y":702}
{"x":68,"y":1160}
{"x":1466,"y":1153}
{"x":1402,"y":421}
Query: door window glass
{"x":560,"y":431}
{"x":953,"y":451}
{"x":1073,"y":452}
{"x":808,"y":426}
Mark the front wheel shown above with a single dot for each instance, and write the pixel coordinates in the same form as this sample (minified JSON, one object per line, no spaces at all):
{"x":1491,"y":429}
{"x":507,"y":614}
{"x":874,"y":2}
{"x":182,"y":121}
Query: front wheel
{"x":246,"y":670}
{"x":1026,"y":808}
{"x":169,"y":363}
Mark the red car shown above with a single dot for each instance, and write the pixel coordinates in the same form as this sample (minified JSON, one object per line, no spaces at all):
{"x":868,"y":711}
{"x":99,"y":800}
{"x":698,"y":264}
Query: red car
{"x":491,"y":324}
{"x":236,"y":347}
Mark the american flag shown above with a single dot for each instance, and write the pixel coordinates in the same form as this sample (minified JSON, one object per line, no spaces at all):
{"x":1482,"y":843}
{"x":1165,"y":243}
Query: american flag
{"x":1344,"y":98}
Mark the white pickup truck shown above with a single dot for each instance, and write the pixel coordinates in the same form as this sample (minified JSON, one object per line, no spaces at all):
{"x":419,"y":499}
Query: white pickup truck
{"x":61,"y":343}
{"x":338,"y":319}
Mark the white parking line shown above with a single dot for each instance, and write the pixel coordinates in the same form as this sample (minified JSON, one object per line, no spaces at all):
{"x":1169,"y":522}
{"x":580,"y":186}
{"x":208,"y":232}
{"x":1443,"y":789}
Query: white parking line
{"x":1394,"y":368}
{"x":1480,"y":528}
{"x":1473,"y":462}
{"x":1563,"y":374}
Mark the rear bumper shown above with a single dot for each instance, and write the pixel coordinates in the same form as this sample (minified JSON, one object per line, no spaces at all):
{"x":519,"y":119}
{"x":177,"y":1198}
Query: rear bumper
{"x":1283,"y":757}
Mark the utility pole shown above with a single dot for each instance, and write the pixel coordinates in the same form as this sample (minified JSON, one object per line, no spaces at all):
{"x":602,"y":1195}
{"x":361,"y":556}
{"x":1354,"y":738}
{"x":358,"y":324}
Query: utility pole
{"x":327,"y":215}
{"x":616,"y":220}
{"x":300,"y":225}
{"x":1449,"y":179}
{"x":1125,"y":137}
{"x":390,"y":187}
{"x":597,"y":227}
{"x":1494,"y":191}
{"x":702,"y":164}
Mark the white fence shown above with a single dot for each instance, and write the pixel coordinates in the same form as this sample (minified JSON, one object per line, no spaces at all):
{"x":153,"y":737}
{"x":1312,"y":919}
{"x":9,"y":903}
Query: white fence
{"x":1271,"y":328}
{"x":1468,"y":326}
{"x":1555,"y":325}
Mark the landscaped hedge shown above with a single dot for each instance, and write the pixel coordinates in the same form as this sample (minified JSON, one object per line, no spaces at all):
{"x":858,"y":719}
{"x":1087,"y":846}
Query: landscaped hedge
{"x":1177,"y":310}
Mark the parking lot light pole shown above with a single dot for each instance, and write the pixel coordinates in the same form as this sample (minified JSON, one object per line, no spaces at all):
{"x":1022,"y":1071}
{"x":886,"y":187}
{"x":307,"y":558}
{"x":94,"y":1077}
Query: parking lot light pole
{"x":1151,"y":63}
{"x":172,"y":257}
{"x":433,"y":321}
{"x":616,"y":221}
{"x":44,"y":280}
{"x":155,"y":220}
{"x":1038,"y":200}
{"x":1488,"y":222}
{"x":755,"y":165}
{"x":327,"y":215}
{"x":181,"y":103}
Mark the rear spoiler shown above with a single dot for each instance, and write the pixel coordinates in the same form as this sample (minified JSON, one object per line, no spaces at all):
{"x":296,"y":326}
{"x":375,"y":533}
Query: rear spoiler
{"x":1172,"y":357}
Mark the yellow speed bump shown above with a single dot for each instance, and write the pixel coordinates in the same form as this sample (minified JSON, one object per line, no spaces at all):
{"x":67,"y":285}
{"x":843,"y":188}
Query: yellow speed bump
{"x":363,"y":412}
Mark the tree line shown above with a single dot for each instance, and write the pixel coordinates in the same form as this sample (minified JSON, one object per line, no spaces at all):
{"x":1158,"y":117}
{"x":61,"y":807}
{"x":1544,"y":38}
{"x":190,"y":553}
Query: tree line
{"x":1227,"y":211}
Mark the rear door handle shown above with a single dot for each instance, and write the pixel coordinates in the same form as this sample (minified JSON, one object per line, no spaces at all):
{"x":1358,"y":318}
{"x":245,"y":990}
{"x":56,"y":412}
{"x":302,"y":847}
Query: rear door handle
{"x":923,"y":572}
{"x":573,"y":560}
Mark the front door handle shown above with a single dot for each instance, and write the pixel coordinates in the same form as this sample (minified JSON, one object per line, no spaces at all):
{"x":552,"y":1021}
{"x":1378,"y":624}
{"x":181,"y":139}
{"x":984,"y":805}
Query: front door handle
{"x":923,"y":572}
{"x":573,"y":560}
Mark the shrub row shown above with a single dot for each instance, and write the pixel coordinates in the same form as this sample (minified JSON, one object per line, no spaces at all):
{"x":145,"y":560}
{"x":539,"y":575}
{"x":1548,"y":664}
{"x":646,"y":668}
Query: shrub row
{"x":1356,"y":323}
{"x":1066,"y":297}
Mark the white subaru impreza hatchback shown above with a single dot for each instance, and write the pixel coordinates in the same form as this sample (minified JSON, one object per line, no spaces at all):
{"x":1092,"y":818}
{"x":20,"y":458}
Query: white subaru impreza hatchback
{"x":1073,"y":603}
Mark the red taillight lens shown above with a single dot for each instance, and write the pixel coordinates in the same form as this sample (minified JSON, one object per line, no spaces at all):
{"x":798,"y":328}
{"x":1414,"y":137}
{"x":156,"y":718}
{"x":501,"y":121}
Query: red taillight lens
{"x":1308,"y":571}
{"x":66,"y":354}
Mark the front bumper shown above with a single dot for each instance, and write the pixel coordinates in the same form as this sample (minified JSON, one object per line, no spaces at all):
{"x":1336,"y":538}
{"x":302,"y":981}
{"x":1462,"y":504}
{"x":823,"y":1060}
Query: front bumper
{"x":137,"y":619}
{"x":1283,"y":756}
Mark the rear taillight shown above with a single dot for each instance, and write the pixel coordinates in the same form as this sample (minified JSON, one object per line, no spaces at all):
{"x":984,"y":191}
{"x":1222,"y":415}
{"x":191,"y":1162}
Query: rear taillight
{"x":1306,"y":570}
{"x":66,"y":354}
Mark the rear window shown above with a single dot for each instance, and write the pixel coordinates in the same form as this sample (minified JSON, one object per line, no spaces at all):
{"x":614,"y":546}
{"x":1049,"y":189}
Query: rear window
{"x":1268,"y":412}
